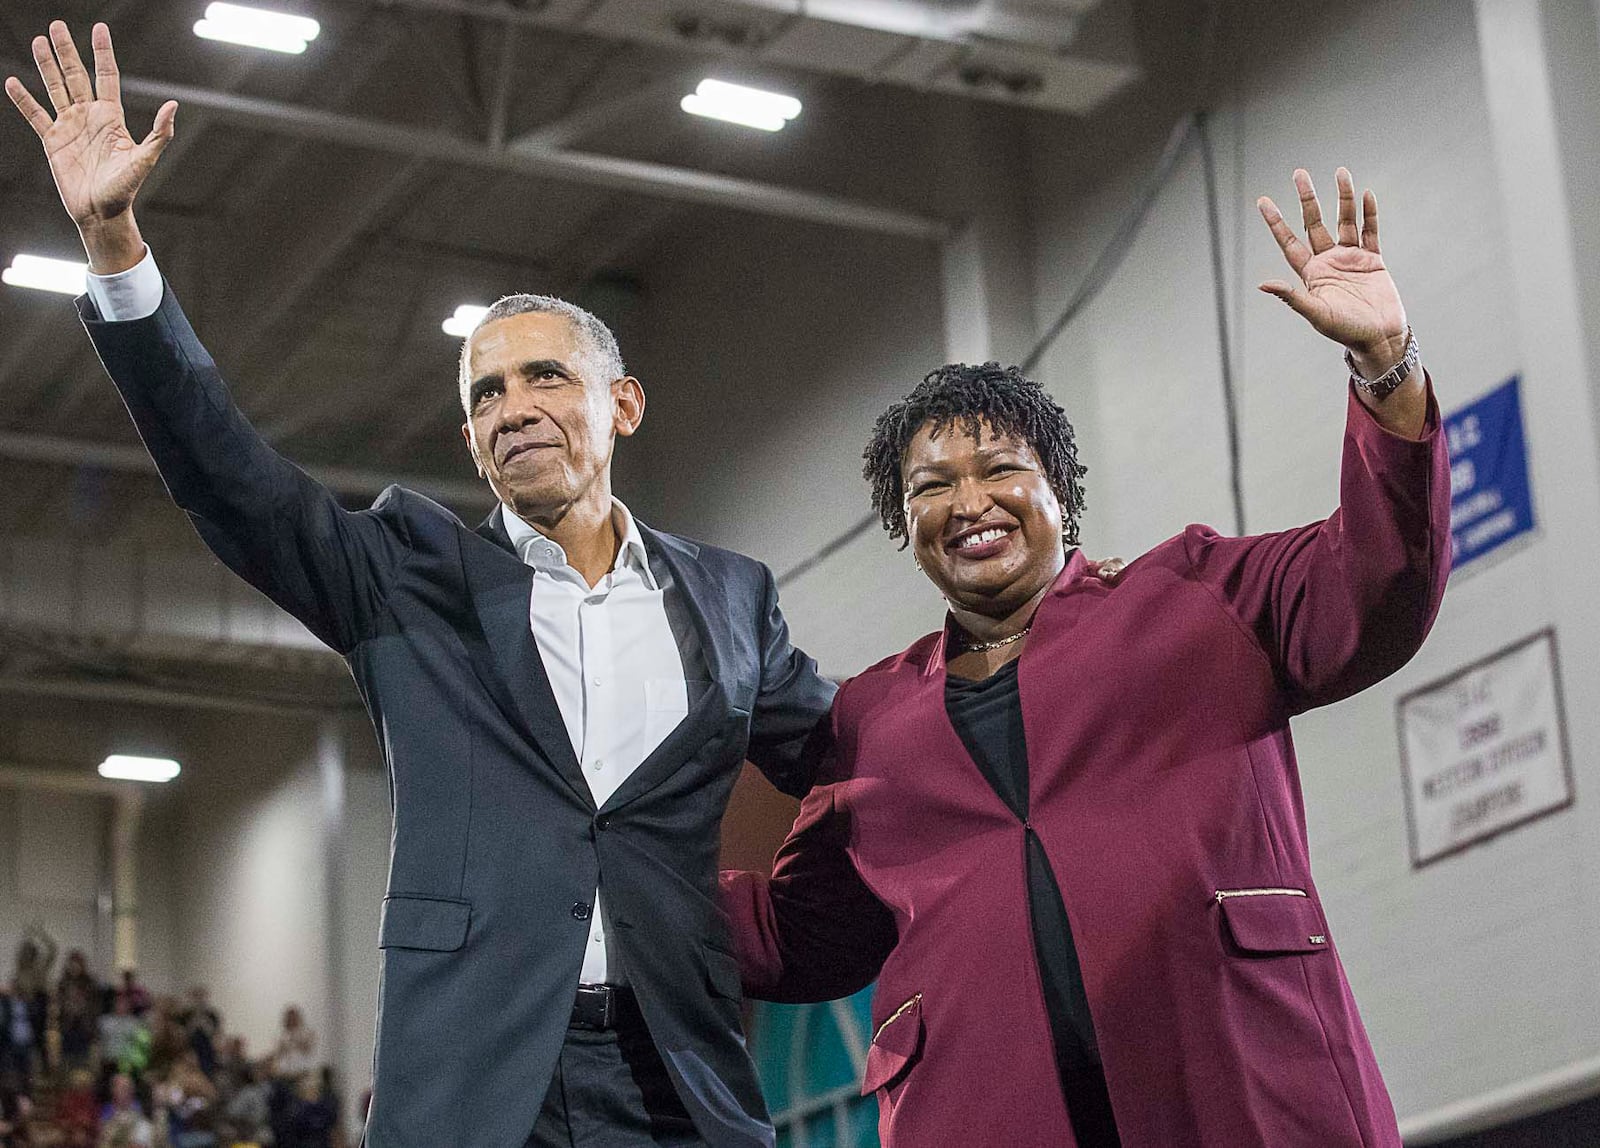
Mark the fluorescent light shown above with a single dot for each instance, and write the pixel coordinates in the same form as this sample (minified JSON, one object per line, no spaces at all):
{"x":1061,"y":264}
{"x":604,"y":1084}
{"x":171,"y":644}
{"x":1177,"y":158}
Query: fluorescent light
{"x":460,"y":325}
{"x":121,"y":767}
{"x":257,"y":28}
{"x":737,"y":104}
{"x":61,"y":275}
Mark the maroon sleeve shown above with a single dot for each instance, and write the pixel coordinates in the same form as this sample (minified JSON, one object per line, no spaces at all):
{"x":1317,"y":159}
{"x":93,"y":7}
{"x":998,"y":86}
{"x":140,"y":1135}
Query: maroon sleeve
{"x":812,"y":931}
{"x":1343,"y":603}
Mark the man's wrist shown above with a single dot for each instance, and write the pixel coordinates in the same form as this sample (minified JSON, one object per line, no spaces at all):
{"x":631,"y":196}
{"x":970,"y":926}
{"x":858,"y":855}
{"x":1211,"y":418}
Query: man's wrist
{"x":113,"y":245}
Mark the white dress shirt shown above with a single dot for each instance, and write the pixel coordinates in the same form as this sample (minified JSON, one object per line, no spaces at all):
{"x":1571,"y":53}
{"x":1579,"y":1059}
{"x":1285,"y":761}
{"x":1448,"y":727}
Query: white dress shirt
{"x":614,"y":667}
{"x":610,"y":653}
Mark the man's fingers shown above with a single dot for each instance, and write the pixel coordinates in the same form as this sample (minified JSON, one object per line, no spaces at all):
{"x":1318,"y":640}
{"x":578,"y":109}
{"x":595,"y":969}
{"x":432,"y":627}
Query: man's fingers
{"x":72,"y":69}
{"x":50,"y":73}
{"x":1369,"y":221}
{"x":1293,"y":250}
{"x":1349,"y":233}
{"x":38,"y":119}
{"x":161,"y":133}
{"x":107,"y":80}
{"x":1311,"y":212}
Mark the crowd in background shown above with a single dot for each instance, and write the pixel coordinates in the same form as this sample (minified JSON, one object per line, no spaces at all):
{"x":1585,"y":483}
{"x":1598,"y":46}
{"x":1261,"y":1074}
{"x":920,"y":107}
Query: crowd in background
{"x":85,"y":1064}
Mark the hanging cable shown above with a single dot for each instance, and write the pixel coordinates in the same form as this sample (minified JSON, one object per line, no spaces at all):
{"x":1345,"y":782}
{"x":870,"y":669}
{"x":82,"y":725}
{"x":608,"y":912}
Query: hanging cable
{"x":1230,"y":402}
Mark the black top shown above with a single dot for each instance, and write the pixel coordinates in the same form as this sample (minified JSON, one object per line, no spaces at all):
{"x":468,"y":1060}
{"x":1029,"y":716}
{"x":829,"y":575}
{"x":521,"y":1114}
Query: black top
{"x":987,"y":714}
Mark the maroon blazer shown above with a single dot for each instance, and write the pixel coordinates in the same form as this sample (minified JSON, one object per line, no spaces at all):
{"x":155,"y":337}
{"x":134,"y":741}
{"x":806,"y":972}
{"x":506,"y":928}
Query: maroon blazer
{"x":1163,"y":779}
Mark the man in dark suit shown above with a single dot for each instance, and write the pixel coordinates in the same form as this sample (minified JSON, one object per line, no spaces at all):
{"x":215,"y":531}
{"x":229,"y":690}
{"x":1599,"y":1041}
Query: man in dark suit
{"x":563,"y":696}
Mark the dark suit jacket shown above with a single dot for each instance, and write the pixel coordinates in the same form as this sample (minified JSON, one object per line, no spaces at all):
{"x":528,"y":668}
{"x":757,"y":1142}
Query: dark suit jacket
{"x":1161,"y":771}
{"x":497,"y":845}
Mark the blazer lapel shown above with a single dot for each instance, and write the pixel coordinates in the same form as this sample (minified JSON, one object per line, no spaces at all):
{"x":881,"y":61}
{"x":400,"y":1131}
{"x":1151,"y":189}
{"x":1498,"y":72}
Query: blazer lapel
{"x":676,"y":566}
{"x":501,"y":585}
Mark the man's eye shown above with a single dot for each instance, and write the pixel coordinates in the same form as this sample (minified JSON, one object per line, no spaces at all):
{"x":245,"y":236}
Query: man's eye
{"x":485,"y":395}
{"x":548,"y":376}
{"x":926,"y":488}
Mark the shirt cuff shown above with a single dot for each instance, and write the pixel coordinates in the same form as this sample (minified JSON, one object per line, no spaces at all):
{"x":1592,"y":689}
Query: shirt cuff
{"x":128,"y":295}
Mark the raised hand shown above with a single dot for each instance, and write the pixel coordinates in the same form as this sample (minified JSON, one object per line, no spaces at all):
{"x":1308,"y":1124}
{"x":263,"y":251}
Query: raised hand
{"x":97,"y":165}
{"x":1345,"y":291}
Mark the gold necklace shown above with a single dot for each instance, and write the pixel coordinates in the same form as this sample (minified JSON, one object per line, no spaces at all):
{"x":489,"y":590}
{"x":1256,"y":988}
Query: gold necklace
{"x":971,"y":647}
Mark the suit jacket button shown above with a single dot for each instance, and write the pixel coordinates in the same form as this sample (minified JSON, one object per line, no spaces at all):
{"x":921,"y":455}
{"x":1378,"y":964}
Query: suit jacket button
{"x":603,"y":821}
{"x":580,"y":911}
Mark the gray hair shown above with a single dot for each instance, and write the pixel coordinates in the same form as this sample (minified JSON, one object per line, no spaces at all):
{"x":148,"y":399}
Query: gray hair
{"x":602,"y":358}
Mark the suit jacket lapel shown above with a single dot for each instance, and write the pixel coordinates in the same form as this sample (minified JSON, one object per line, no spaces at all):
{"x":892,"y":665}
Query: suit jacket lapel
{"x":675,"y":564}
{"x":501,"y":585}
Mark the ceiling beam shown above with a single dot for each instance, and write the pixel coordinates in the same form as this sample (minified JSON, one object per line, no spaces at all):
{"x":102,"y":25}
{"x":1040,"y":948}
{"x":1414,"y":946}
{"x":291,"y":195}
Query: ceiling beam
{"x":656,"y":179}
{"x":349,"y":481}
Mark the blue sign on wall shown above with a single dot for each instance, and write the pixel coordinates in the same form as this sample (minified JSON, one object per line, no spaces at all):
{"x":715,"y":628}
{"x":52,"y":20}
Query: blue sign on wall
{"x":1490,"y":501}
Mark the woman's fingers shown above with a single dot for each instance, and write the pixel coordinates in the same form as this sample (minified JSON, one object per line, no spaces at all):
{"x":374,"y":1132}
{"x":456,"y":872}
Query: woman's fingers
{"x":1311,"y":213}
{"x":38,"y":119}
{"x":1349,"y":232}
{"x":107,"y":80}
{"x":72,"y":69}
{"x":1293,"y":250}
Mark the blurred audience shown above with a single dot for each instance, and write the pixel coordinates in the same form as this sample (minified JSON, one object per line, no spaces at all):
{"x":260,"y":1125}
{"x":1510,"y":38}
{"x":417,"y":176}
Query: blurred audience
{"x":86,"y":1065}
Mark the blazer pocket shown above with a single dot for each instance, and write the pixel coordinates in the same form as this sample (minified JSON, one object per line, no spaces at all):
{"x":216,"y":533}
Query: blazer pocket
{"x":896,"y":1046}
{"x":1263,"y":922}
{"x":722,"y":973}
{"x":438,"y":924}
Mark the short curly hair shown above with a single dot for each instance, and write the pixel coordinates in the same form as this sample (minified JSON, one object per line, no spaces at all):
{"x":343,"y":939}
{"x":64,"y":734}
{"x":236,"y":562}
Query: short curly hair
{"x":958,"y":394}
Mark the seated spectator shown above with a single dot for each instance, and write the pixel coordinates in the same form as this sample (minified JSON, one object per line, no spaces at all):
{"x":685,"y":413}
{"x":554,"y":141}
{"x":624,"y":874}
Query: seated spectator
{"x":168,"y":1041}
{"x":78,"y":1006}
{"x":138,"y":996}
{"x":203,"y":1025}
{"x":123,"y":1123}
{"x":77,"y":1111}
{"x":246,"y":1116}
{"x":312,"y":1116}
{"x":295,"y":1054}
{"x":15,"y":1108}
{"x":191,"y":1103}
{"x":124,"y":1038}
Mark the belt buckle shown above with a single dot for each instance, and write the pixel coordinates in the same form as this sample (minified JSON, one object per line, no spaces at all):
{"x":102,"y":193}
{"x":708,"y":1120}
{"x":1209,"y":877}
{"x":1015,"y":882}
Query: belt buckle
{"x":599,"y":999}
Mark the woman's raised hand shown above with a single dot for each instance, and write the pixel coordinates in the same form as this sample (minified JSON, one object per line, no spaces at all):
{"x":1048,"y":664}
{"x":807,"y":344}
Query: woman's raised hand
{"x":1345,"y":291}
{"x":98,"y":167}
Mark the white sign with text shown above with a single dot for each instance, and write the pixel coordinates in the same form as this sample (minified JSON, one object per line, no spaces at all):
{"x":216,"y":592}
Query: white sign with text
{"x":1485,"y":749}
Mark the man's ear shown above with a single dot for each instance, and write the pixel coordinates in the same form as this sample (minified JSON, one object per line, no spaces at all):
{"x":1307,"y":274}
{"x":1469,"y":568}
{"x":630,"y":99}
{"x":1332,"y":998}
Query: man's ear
{"x":472,"y":449}
{"x":627,"y":397}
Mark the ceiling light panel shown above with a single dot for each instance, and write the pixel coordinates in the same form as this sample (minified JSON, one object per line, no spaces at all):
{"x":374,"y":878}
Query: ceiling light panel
{"x":60,"y":275}
{"x":737,"y":104}
{"x":257,"y":28}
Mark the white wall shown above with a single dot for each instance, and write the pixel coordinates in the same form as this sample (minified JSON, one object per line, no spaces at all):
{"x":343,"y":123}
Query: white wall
{"x":770,"y":355}
{"x":1466,"y":971}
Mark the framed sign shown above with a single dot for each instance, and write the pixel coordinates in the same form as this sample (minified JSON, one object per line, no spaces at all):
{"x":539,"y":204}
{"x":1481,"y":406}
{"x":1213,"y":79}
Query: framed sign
{"x":1485,"y":749}
{"x":1491,"y":502}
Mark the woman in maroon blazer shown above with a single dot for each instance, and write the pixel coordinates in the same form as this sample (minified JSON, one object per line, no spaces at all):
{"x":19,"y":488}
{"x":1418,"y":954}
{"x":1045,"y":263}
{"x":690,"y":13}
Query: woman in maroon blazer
{"x":1065,"y":832}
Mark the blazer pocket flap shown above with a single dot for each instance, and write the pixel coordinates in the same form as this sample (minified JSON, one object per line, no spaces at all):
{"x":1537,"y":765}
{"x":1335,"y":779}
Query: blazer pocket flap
{"x":1275,"y":924}
{"x":722,"y":973}
{"x":435,"y":923}
{"x":895,"y":1048}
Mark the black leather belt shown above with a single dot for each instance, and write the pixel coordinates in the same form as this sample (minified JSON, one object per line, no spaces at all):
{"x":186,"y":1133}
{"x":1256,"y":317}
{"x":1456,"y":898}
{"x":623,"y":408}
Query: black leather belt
{"x":598,"y":1008}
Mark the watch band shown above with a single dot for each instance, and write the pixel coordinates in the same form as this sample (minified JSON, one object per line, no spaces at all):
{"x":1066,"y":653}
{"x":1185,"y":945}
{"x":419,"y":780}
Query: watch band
{"x":1384,"y":385}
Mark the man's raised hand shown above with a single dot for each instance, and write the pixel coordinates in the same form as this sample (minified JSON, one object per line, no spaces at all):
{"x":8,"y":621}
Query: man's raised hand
{"x":98,"y":167}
